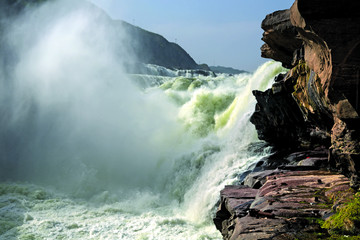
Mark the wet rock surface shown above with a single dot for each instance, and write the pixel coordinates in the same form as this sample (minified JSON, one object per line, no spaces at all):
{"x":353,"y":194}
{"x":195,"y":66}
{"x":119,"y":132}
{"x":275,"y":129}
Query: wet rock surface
{"x":286,"y":205}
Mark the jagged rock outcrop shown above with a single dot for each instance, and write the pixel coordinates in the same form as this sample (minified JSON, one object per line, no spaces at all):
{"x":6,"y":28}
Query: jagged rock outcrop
{"x":320,"y":42}
{"x":280,"y":37}
{"x":277,"y":118}
{"x":291,"y":115}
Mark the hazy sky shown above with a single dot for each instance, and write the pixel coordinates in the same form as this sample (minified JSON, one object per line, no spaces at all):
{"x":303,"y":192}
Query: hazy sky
{"x":215,"y":32}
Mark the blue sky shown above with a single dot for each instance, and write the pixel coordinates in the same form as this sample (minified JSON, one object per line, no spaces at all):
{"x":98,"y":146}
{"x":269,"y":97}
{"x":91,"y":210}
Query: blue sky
{"x":215,"y":32}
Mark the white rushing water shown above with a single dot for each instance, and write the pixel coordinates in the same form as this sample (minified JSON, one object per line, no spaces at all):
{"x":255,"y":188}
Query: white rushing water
{"x":89,"y":152}
{"x":180,"y":199}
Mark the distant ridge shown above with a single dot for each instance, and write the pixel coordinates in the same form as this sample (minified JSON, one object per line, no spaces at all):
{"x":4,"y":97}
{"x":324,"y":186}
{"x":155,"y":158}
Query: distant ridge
{"x":153,"y":48}
{"x":145,"y":46}
{"x":228,"y":70}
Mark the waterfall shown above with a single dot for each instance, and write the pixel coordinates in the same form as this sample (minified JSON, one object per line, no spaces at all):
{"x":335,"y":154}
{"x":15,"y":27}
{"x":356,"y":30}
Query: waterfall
{"x":89,"y":151}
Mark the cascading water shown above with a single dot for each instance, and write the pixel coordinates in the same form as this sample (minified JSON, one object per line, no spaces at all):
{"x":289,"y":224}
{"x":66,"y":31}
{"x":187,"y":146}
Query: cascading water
{"x":88,"y":153}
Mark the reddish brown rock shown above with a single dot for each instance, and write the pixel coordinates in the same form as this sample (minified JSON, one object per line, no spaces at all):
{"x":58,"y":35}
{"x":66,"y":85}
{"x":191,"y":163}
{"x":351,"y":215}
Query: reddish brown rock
{"x":345,"y":151}
{"x":257,"y":179}
{"x":234,"y":201}
{"x":250,"y":228}
{"x":298,"y":194}
{"x":284,"y":207}
{"x":332,"y":49}
{"x":315,"y":105}
{"x":280,"y":37}
{"x":320,"y":42}
{"x":331,"y":35}
{"x":238,"y":192}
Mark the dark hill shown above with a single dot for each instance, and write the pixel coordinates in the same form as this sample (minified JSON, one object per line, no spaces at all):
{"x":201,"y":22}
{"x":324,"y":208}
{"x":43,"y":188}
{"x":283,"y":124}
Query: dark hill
{"x":228,"y":70}
{"x":153,"y":48}
{"x":144,"y":46}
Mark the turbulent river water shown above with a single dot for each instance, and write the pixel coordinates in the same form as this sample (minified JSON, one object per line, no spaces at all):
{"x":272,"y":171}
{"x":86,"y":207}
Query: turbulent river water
{"x":90,"y":152}
{"x":165,"y":186}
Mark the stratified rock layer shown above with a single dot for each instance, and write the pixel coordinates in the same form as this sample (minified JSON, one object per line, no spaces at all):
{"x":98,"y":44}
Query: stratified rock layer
{"x":280,"y":37}
{"x":311,"y":118}
{"x":317,"y":102}
{"x":287,"y":206}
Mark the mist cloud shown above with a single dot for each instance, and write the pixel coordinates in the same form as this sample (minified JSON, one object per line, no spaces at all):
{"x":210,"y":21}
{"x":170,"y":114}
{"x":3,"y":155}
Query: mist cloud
{"x":70,"y":115}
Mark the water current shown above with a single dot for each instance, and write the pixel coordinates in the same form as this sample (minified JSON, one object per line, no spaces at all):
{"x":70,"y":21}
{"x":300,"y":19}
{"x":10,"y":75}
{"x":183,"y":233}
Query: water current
{"x":91,"y":152}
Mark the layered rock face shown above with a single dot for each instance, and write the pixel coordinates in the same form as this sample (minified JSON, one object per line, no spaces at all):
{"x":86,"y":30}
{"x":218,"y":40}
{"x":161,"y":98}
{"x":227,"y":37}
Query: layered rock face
{"x":287,"y":206}
{"x":311,"y":118}
{"x":317,"y":102}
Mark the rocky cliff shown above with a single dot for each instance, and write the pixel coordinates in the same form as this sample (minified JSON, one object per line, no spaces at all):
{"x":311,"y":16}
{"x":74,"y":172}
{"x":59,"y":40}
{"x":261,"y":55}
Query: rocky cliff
{"x":320,"y":43}
{"x":312,"y":109}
